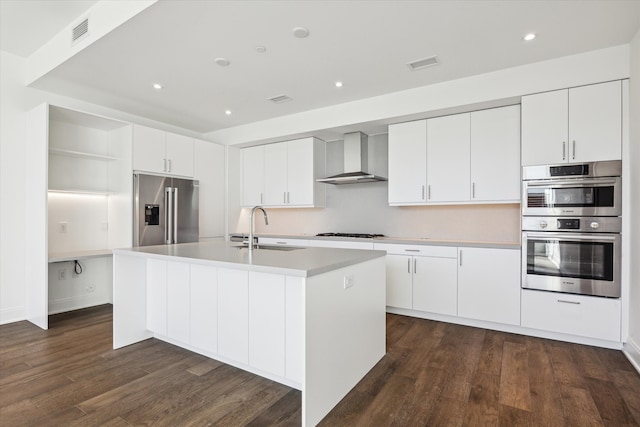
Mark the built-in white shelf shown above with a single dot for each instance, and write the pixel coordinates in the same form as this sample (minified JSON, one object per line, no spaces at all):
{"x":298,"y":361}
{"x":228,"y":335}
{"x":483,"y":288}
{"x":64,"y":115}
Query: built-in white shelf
{"x":80,"y":191}
{"x":81,"y":154}
{"x":78,"y":255}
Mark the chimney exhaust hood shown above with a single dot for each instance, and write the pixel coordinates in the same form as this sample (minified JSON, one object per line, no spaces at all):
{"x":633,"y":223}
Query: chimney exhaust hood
{"x":356,"y":162}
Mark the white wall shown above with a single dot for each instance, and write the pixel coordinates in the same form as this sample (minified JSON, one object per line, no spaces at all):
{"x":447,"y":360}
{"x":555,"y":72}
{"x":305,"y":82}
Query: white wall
{"x":634,"y":182}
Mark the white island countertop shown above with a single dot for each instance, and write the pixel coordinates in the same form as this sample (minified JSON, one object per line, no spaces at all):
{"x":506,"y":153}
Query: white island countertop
{"x":303,"y":262}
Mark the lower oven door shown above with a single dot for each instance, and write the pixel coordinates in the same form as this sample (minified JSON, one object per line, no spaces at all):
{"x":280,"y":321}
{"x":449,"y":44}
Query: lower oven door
{"x":578,"y":263}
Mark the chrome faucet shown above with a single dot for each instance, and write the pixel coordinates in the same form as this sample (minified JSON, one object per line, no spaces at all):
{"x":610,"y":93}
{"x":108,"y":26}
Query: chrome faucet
{"x":251,"y":224}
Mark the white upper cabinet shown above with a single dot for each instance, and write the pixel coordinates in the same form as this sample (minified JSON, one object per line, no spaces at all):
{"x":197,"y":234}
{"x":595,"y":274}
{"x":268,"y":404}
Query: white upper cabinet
{"x":275,"y":174}
{"x":162,"y":152}
{"x":252,"y":160}
{"x":595,"y":122}
{"x":462,"y":158}
{"x":408,"y":163}
{"x":209,"y":170}
{"x":284,"y":174}
{"x":572,"y":125}
{"x":448,"y":158}
{"x":495,"y":154}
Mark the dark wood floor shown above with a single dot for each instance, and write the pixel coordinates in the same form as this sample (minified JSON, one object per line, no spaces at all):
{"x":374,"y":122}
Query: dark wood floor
{"x":434,"y":374}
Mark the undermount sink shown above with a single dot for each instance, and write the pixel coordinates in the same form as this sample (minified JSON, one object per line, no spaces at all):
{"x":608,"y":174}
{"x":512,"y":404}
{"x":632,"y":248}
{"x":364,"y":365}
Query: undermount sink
{"x":271,"y":247}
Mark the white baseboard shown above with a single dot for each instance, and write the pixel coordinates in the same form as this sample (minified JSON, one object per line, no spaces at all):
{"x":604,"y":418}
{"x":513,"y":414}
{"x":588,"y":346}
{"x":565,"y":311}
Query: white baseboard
{"x":631,"y":349}
{"x":12,"y":314}
{"x":76,"y":303}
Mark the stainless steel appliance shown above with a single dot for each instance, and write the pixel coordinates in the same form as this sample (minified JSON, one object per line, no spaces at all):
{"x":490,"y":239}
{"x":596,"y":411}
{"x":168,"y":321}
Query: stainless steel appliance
{"x":579,"y":255}
{"x":571,"y":228}
{"x":586,"y":189}
{"x":165,"y":210}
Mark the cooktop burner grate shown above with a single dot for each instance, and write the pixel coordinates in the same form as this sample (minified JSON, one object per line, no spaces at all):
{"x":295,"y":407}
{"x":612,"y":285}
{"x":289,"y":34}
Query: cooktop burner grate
{"x":357,"y":235}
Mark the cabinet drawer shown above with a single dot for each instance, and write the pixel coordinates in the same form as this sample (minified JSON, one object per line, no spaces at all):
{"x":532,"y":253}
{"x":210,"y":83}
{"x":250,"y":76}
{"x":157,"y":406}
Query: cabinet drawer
{"x":340,"y":244}
{"x":580,"y":315}
{"x":283,"y":242}
{"x":421,"y":250}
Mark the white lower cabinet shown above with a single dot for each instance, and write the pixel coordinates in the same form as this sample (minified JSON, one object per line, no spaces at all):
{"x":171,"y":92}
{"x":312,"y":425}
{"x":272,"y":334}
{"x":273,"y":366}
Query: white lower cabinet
{"x":233,"y":314}
{"x":204,"y":307}
{"x":421,"y":277}
{"x":247,"y":317}
{"x":489,"y":284}
{"x":340,"y":244}
{"x":282,"y":242}
{"x":267,"y":322}
{"x":157,"y":296}
{"x":580,"y":315}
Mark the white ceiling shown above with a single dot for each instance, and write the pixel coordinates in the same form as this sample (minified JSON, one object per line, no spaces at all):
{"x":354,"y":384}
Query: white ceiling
{"x":364,"y":44}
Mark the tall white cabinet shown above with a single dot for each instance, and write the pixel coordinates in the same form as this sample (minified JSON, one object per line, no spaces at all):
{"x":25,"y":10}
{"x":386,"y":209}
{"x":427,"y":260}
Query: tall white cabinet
{"x":579,"y":124}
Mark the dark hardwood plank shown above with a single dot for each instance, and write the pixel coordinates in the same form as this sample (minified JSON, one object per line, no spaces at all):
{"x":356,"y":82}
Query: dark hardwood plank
{"x":514,"y":380}
{"x":579,"y":408}
{"x":482,"y":408}
{"x":611,"y":406}
{"x":508,"y":416}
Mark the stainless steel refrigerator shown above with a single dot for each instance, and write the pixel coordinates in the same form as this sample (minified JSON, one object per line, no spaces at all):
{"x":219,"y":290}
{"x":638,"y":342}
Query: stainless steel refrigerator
{"x":165,"y":210}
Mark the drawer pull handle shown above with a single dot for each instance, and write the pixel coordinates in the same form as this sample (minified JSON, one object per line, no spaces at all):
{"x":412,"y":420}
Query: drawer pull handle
{"x":412,"y":250}
{"x":569,"y":302}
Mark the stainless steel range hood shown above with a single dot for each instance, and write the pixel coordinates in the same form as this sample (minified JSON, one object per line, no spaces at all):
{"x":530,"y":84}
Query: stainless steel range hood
{"x":356,"y":162}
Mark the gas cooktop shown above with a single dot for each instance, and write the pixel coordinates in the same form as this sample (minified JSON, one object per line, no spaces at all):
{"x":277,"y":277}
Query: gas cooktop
{"x":358,"y":235}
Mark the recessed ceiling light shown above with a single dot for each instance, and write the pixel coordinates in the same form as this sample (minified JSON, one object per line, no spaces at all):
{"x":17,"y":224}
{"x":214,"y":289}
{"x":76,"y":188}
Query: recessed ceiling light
{"x":301,"y":32}
{"x":227,"y":112}
{"x":261,"y":49}
{"x":530,"y":37}
{"x":223,"y":62}
{"x":338,"y":84}
{"x":157,"y":86}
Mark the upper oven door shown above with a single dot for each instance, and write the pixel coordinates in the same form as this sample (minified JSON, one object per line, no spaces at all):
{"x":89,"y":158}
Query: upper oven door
{"x":582,"y":263}
{"x":572,"y":197}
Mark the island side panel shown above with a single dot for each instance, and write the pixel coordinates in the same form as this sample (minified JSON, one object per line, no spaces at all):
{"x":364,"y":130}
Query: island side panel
{"x":129,"y":300}
{"x":344,"y":334}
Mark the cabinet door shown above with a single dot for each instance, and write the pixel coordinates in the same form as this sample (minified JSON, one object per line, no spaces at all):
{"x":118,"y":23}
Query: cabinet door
{"x":157,"y":296}
{"x":399,"y":281}
{"x":489,"y":284}
{"x":266,"y":322}
{"x":545,"y":128}
{"x":595,"y":122}
{"x":435,"y":285}
{"x":275,"y":174}
{"x":408,"y":163}
{"x":495,"y":154}
{"x":294,"y":328}
{"x":178,"y":301}
{"x":252,"y":175}
{"x":209,"y":170}
{"x":300,"y":167}
{"x":149,"y":149}
{"x":204,"y":307}
{"x":179,"y":155}
{"x":233,"y":314}
{"x":448,"y":158}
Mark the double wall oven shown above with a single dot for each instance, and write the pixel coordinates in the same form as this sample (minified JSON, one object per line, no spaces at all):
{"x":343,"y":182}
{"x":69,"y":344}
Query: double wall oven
{"x":571,"y":228}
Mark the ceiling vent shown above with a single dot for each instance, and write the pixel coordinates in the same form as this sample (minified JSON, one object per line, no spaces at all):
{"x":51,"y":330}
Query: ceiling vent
{"x":80,"y":31}
{"x":280,"y":99}
{"x":419,"y":64}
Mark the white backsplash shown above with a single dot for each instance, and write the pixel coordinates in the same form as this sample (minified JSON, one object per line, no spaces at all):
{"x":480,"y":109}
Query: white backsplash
{"x":363,"y":208}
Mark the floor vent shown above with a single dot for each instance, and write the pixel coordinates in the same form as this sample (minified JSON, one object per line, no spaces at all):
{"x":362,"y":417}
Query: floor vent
{"x":419,"y":64}
{"x":280,"y":99}
{"x":80,"y":31}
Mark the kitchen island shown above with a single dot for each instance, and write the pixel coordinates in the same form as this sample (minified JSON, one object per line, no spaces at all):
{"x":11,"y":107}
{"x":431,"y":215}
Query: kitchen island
{"x":310,"y":318}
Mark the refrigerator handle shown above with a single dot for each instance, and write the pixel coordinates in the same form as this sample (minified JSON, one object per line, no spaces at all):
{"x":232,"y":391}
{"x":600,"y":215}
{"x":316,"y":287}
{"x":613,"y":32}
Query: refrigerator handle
{"x":168,"y":215}
{"x":175,"y":215}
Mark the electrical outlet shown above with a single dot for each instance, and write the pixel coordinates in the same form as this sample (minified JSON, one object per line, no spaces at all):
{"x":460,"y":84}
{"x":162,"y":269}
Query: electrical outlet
{"x":348,"y":281}
{"x":62,"y":274}
{"x":90,"y":288}
{"x":63,"y":226}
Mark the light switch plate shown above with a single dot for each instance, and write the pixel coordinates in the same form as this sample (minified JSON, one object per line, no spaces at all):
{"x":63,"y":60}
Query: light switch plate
{"x":348,"y":281}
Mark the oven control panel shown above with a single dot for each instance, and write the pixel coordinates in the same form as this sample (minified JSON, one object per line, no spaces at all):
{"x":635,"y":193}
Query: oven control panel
{"x":584,"y":224}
